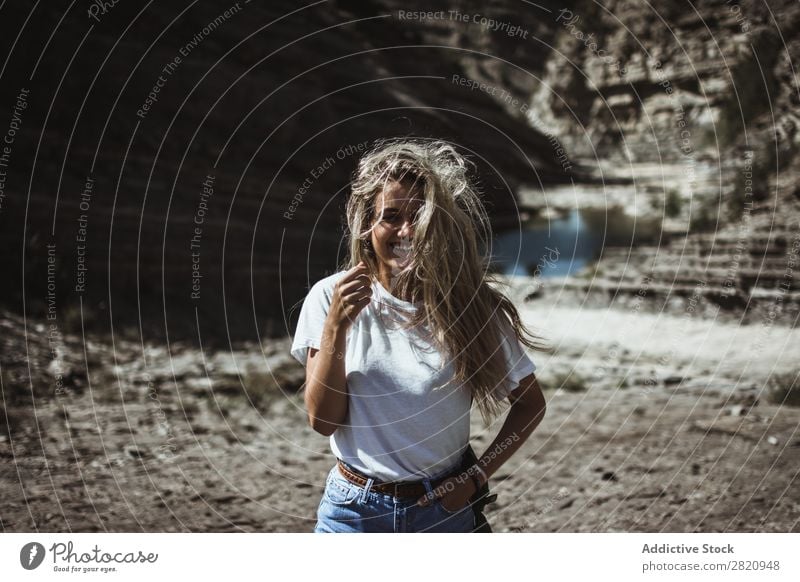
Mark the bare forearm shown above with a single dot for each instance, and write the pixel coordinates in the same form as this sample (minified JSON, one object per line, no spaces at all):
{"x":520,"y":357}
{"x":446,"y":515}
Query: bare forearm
{"x":326,"y":385}
{"x":521,"y":421}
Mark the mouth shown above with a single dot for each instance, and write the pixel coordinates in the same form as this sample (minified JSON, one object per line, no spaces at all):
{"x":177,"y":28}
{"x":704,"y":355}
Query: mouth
{"x":401,"y":246}
{"x":401,"y":250}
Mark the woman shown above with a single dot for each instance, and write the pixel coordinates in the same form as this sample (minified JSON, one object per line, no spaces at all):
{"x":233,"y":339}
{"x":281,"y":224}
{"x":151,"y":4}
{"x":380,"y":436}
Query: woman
{"x":399,"y":345}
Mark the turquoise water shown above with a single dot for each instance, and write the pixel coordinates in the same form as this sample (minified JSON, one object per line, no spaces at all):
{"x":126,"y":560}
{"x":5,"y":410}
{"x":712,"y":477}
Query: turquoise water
{"x":555,"y":247}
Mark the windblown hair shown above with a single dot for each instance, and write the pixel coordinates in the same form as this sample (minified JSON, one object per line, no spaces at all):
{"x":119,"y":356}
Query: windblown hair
{"x":448,"y":270}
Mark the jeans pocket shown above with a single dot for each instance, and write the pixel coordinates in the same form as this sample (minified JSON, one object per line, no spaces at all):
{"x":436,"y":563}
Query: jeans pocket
{"x":339,"y":491}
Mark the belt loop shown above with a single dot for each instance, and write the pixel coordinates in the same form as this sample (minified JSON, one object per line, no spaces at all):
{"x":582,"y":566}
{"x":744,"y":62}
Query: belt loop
{"x":365,"y":492}
{"x":428,"y":488}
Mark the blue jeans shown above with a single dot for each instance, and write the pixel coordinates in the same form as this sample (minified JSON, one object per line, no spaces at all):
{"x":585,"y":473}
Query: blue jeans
{"x":346,"y":508}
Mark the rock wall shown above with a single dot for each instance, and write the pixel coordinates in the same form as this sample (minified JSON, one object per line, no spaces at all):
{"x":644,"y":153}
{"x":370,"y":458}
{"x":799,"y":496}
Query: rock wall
{"x":182,"y":170}
{"x":696,"y":107}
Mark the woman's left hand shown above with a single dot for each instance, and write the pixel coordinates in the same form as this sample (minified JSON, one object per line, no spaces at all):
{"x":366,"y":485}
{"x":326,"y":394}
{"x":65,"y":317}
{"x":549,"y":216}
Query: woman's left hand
{"x":454,"y":493}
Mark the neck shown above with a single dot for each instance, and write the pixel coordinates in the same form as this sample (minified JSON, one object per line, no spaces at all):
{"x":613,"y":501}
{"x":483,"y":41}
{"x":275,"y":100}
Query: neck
{"x":386,"y":280}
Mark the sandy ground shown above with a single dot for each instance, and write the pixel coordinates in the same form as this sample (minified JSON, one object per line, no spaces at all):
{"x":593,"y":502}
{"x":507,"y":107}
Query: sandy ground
{"x":670,"y":344}
{"x":672,"y":433}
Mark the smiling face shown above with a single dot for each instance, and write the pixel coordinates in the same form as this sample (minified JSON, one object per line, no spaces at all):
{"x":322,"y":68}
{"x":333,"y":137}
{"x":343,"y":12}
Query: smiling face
{"x":396,"y":208}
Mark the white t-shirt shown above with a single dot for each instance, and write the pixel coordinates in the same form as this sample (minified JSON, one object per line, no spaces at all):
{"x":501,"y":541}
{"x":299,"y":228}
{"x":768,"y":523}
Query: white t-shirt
{"x":397,"y":426}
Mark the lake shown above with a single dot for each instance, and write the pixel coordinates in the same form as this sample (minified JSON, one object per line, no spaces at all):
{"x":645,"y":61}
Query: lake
{"x":555,"y":247}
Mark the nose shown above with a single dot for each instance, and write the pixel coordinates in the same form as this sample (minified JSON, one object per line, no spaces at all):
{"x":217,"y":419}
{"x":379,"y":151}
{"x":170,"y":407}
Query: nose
{"x":406,"y":229}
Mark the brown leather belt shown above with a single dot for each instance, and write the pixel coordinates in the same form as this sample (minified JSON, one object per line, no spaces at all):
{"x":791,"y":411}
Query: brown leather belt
{"x":393,"y":488}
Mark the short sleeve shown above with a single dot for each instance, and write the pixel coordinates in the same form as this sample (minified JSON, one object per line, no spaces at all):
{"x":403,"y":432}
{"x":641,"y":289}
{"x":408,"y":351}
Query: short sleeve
{"x":311,"y":321}
{"x":518,"y":364}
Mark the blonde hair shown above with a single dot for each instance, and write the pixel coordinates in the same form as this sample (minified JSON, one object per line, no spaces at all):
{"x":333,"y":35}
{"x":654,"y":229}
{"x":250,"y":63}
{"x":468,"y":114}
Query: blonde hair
{"x":447,"y":271}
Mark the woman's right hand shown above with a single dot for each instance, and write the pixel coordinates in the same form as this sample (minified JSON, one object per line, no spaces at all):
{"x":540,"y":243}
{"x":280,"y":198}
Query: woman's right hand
{"x":326,"y":376}
{"x":351,"y":294}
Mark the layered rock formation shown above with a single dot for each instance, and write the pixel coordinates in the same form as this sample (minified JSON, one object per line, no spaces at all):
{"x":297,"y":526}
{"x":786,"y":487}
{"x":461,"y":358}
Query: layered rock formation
{"x":182,"y":170}
{"x":187,"y":168}
{"x":696,"y":106}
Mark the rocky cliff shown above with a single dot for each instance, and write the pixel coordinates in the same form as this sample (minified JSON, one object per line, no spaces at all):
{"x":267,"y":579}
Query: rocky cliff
{"x":182,"y":170}
{"x":688,"y":113}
